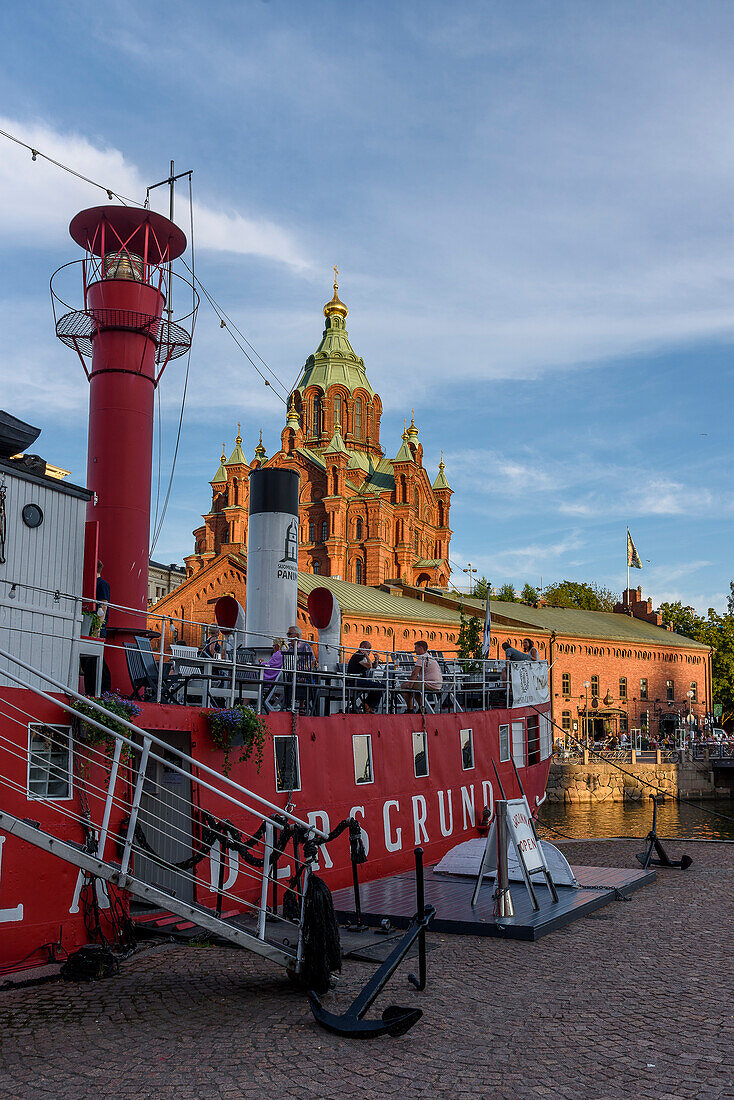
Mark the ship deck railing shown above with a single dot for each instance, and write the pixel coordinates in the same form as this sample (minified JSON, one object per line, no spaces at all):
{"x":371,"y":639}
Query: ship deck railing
{"x":301,"y":685}
{"x":169,"y":672}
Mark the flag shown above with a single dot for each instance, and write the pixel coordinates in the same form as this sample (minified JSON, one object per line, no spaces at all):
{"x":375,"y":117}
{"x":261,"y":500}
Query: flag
{"x":633,"y":558}
{"x":487,"y":637}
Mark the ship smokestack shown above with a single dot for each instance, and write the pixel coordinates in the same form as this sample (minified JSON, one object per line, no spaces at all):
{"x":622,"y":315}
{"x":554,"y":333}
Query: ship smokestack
{"x":272,"y":555}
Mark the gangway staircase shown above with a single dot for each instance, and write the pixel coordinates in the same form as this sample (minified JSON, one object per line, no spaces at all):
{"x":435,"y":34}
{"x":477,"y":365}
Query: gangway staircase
{"x":144,"y":747}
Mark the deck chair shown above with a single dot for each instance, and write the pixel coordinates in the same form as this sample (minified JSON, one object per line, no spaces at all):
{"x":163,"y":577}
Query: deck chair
{"x":135,"y":670}
{"x":170,"y":684}
{"x":195,"y":687}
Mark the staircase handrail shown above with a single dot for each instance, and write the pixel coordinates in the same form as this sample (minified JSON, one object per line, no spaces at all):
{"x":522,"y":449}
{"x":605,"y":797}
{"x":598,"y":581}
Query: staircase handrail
{"x":147,"y":736}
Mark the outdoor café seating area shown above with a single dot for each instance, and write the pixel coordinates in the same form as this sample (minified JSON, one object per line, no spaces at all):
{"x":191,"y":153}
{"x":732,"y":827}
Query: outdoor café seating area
{"x":180,"y":675}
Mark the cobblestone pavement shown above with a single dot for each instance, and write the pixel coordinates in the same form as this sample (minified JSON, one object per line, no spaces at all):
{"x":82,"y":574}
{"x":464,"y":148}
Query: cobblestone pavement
{"x":633,"y":1001}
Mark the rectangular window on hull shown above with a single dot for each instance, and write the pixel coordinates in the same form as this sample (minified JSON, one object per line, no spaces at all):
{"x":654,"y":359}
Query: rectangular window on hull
{"x":362,"y":749}
{"x":420,"y":755}
{"x":504,"y":743}
{"x":518,"y":743}
{"x":546,"y":737}
{"x":533,"y":724}
{"x":287,"y":766}
{"x":49,"y":762}
{"x":467,"y":749}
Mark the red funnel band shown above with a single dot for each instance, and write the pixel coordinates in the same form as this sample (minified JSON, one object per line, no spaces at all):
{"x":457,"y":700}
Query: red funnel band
{"x":320,"y":607}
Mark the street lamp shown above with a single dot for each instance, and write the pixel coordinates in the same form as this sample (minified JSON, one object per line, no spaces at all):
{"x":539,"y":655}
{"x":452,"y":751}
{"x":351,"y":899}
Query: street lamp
{"x":587,"y":685}
{"x":471,"y":569}
{"x":689,"y":693}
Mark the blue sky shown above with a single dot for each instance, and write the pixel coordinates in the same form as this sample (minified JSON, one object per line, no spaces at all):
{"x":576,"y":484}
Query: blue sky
{"x":531,"y":209}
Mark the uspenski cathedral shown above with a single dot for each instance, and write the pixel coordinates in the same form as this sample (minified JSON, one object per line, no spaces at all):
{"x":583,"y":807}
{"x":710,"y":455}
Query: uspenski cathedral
{"x":364,"y":517}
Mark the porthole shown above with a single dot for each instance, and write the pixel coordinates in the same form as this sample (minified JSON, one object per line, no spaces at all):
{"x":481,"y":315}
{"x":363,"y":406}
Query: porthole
{"x":32,"y":515}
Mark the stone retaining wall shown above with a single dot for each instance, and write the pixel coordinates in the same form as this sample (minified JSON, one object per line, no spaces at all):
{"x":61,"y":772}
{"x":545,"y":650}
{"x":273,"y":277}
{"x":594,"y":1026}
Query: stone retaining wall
{"x":597,"y":782}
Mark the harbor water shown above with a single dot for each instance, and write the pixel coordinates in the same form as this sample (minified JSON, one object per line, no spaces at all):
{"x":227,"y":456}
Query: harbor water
{"x":634,"y":819}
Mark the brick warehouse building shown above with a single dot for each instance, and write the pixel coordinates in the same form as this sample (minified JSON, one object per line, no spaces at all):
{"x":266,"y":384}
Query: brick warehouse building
{"x":376,"y":531}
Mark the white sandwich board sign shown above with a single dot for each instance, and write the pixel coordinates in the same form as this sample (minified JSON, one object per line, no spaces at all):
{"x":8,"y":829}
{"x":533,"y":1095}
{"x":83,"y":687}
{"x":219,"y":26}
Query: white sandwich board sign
{"x":522,"y":837}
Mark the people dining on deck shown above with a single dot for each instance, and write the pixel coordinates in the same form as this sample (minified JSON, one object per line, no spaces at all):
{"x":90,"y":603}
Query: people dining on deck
{"x":211,"y":647}
{"x":426,"y":676}
{"x":529,"y":648}
{"x":358,"y":667}
{"x":275,"y":663}
{"x":301,"y":648}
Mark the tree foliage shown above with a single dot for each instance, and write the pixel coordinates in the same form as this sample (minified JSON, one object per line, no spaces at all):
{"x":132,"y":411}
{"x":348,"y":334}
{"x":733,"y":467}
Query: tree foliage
{"x":480,"y":589}
{"x":583,"y":595}
{"x":529,"y":594}
{"x":716,"y":631}
{"x":470,"y":636}
{"x":507,"y":593}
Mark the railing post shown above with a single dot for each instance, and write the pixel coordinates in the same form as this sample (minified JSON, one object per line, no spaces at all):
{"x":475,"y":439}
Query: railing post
{"x":234,"y":674}
{"x":344,"y":685}
{"x":142,"y":768}
{"x":484,"y":684}
{"x":267,"y":852}
{"x":295,"y":670}
{"x":387,"y":682}
{"x":159,"y":686}
{"x":110,"y":798}
{"x":503,"y":896}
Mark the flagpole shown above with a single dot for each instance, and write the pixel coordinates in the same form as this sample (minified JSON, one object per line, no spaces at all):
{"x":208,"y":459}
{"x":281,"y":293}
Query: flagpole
{"x":628,"y":568}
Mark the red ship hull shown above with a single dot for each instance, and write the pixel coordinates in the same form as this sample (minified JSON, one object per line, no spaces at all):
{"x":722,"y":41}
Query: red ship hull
{"x":39,"y":894}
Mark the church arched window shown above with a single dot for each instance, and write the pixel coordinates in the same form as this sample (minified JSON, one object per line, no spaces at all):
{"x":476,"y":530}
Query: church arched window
{"x":334,"y":481}
{"x":440,"y":513}
{"x":311,"y":532}
{"x":416,"y":501}
{"x":358,"y":572}
{"x":317,"y":416}
{"x":359,"y":528}
{"x":337,"y":410}
{"x":325,"y":530}
{"x":316,"y":568}
{"x":358,"y":417}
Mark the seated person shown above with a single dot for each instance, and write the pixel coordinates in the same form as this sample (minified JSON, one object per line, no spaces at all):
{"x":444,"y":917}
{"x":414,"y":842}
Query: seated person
{"x":211,"y":647}
{"x":426,"y":676}
{"x":359,"y":664}
{"x":304,"y":651}
{"x":529,"y":649}
{"x":271,"y":672}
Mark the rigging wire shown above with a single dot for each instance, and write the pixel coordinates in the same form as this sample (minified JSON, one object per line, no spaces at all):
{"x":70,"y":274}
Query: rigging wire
{"x":227,"y":323}
{"x":158,"y":526}
{"x":111,"y":193}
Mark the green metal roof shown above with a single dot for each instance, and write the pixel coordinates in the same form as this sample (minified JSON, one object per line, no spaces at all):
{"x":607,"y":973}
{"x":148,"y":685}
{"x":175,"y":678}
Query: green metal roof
{"x":584,"y":624}
{"x":335,"y":362}
{"x":359,"y":599}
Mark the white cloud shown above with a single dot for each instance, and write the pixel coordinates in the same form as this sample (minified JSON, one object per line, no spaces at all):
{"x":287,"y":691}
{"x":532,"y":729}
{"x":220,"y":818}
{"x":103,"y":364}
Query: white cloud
{"x":38,"y":200}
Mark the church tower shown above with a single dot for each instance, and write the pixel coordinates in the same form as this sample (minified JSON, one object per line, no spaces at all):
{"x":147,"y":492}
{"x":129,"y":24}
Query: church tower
{"x":363,"y":517}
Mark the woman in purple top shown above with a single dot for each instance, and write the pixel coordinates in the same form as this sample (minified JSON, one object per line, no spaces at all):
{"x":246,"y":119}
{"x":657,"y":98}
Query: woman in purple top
{"x":275,"y":663}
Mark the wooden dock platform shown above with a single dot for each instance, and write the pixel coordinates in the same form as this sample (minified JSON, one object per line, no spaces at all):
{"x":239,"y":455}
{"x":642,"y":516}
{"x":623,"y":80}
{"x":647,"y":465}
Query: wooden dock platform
{"x":394,"y":898}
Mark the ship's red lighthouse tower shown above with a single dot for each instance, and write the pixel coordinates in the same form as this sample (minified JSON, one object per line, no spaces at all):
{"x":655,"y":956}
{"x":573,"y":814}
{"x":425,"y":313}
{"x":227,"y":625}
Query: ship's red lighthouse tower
{"x":125,"y":277}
